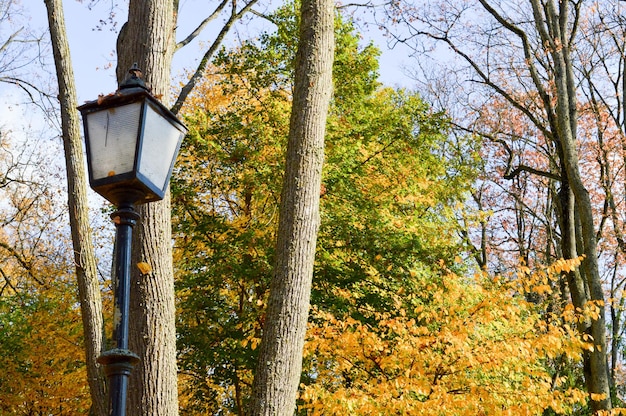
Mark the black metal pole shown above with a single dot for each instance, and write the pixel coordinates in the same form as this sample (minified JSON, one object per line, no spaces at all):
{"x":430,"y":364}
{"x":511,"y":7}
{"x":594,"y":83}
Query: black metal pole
{"x":118,"y":362}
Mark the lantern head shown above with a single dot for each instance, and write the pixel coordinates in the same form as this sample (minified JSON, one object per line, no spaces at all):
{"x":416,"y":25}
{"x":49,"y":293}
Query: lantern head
{"x":132,"y":142}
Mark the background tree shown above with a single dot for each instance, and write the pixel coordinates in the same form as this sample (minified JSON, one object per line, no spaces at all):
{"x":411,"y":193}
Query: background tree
{"x":538,"y":41}
{"x":226,"y":190}
{"x":603,"y":109}
{"x":388,"y":173}
{"x":225,"y":193}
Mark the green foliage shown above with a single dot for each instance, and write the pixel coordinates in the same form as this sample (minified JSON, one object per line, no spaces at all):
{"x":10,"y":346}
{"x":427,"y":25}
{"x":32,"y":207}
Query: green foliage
{"x":387,"y":207}
{"x":385,"y":203}
{"x":224,"y":203}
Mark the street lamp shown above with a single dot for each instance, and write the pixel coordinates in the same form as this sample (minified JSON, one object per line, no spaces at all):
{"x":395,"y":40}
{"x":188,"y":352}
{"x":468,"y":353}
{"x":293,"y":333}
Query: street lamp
{"x":132,"y":142}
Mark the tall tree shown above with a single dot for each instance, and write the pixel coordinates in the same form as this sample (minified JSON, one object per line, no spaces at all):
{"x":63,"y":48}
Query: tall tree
{"x":386,"y":174}
{"x":280,"y":358}
{"x":84,"y":253}
{"x":603,"y":117}
{"x":148,"y":39}
{"x":531,"y":67}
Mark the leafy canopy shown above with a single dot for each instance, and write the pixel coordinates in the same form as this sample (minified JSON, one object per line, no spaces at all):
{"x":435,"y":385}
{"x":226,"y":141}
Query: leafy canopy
{"x":393,"y":329}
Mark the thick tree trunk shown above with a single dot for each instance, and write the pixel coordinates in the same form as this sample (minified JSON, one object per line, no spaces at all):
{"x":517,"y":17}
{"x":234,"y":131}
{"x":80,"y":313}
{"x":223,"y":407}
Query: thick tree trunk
{"x":84,"y":254}
{"x":280,"y":357}
{"x":148,"y":40}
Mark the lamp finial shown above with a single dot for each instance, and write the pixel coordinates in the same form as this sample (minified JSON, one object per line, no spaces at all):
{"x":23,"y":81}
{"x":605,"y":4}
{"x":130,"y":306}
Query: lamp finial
{"x":134,"y":79}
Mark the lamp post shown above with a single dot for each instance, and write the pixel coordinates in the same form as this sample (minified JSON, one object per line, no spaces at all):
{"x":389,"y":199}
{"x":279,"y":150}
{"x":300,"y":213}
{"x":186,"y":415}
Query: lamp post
{"x":132,"y":142}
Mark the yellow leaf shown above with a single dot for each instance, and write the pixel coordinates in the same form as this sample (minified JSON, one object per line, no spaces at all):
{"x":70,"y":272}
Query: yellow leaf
{"x":597,"y":396}
{"x":541,"y":289}
{"x":144,"y":268}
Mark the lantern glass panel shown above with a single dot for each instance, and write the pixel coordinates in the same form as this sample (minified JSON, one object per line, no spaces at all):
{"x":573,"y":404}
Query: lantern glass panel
{"x":160,"y":143}
{"x":113,"y":139}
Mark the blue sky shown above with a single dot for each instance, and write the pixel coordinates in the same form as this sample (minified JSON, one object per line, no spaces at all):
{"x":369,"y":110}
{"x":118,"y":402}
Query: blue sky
{"x":92,"y":50}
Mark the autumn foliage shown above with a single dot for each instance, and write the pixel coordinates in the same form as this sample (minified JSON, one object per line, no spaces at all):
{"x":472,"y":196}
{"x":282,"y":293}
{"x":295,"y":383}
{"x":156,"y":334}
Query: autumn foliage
{"x":401,"y":322}
{"x":42,"y":360}
{"x":440,"y":284}
{"x":456,"y":346}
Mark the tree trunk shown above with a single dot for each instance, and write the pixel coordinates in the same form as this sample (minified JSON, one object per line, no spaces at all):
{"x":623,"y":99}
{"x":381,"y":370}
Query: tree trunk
{"x":148,"y":40}
{"x":84,"y":254}
{"x":597,"y":376}
{"x":279,"y":366}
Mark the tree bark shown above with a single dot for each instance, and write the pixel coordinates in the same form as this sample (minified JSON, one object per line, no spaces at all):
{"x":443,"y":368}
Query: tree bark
{"x":148,"y":39}
{"x":597,"y":376}
{"x":279,"y":365}
{"x":84,"y":253}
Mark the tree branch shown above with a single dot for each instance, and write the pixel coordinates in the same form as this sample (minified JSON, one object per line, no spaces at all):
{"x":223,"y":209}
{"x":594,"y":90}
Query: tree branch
{"x":202,"y":25}
{"x":23,"y":262}
{"x":9,"y":40}
{"x":511,"y":174}
{"x":186,"y":90}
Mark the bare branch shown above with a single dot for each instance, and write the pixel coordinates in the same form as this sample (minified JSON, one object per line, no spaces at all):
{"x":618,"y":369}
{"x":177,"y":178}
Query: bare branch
{"x":202,"y":25}
{"x":234,"y":17}
{"x":10,"y":40}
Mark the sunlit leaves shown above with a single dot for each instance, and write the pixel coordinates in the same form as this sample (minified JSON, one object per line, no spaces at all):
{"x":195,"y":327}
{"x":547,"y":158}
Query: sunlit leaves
{"x":41,"y":353}
{"x":472,"y":348}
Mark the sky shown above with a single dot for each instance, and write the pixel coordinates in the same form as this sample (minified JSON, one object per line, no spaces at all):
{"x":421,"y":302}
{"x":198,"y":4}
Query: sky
{"x":92,"y":49}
